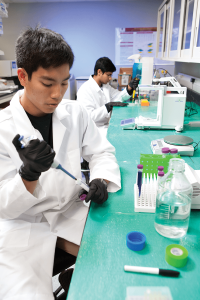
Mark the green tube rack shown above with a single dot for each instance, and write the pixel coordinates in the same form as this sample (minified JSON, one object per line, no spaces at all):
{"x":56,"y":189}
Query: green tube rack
{"x":151,"y":162}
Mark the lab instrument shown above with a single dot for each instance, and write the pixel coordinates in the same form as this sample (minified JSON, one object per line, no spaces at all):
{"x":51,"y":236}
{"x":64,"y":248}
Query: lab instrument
{"x":176,"y":255}
{"x":173,"y":201}
{"x":156,"y":271}
{"x":172,"y":80}
{"x":133,"y":96}
{"x":162,"y":112}
{"x":183,"y":144}
{"x":135,"y":240}
{"x":56,"y":165}
{"x":139,"y":178}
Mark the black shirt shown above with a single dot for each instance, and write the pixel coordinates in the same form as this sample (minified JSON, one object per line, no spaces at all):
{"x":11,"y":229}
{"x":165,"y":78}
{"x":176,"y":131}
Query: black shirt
{"x":44,"y":126}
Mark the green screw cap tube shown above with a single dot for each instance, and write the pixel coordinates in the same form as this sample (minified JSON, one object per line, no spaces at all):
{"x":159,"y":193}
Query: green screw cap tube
{"x":176,"y":255}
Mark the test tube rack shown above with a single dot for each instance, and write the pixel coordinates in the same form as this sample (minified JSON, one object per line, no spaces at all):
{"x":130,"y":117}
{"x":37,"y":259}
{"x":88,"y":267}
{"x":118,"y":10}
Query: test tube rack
{"x":146,"y":202}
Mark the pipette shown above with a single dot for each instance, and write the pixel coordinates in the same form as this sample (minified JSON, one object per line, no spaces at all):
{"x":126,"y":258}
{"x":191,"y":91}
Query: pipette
{"x":134,"y":90}
{"x":139,"y":178}
{"x":56,"y":165}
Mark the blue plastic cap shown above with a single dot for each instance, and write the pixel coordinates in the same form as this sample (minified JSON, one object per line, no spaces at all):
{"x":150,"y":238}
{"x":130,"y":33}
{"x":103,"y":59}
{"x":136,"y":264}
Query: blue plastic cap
{"x":135,"y":240}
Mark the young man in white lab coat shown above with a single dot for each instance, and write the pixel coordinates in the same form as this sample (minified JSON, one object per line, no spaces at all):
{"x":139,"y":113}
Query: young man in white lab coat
{"x":97,"y":95}
{"x":39,"y":203}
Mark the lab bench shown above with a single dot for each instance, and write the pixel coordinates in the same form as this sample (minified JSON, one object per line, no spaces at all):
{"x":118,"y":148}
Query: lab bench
{"x":99,"y":270}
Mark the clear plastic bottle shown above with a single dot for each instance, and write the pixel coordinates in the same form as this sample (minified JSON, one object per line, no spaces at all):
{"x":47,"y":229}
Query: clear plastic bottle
{"x":173,"y":201}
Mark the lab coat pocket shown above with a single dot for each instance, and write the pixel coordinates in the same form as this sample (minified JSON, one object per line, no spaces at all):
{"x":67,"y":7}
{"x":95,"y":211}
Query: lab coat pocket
{"x":77,"y":211}
{"x":14,"y":233}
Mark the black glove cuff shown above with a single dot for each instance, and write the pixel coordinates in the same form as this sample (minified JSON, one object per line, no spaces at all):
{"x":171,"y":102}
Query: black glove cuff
{"x":29,"y":177}
{"x":103,"y":181}
{"x":108,"y":107}
{"x":129,"y":92}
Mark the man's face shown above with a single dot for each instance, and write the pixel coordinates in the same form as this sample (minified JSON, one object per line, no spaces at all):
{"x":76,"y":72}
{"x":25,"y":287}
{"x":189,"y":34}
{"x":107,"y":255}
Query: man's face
{"x":106,"y":77}
{"x":45,"y":90}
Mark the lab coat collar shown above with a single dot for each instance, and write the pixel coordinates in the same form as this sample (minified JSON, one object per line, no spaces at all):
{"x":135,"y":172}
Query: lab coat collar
{"x":24,"y":127}
{"x":58,"y":128}
{"x":94,"y":84}
{"x":22,"y":123}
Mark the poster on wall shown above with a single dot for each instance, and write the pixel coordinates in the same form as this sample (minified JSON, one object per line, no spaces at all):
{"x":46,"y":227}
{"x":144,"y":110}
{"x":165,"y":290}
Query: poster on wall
{"x":129,"y":41}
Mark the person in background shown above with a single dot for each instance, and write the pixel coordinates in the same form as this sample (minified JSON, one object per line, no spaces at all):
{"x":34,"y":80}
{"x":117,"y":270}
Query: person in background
{"x":39,"y":205}
{"x":97,"y":95}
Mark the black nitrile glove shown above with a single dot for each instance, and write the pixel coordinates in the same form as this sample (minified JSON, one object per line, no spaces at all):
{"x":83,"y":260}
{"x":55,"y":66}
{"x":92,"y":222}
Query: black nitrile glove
{"x":97,"y":192}
{"x":133,"y":85}
{"x":37,"y":157}
{"x":110,"y":105}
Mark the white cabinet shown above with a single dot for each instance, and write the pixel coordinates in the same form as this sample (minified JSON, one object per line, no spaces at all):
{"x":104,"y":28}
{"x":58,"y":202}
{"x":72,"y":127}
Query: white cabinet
{"x":178,"y":30}
{"x":196,"y":49}
{"x":188,"y":28}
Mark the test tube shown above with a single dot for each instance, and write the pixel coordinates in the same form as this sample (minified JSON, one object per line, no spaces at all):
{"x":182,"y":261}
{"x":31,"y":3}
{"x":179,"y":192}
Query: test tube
{"x":165,"y":151}
{"x":160,"y":175}
{"x":160,"y":168}
{"x":139,"y":178}
{"x":174,"y":152}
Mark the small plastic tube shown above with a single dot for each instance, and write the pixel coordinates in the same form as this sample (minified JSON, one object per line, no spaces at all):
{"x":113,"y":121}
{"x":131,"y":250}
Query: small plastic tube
{"x":174,"y":152}
{"x":165,"y":151}
{"x":160,"y":175}
{"x":82,"y":197}
{"x":139,"y":178}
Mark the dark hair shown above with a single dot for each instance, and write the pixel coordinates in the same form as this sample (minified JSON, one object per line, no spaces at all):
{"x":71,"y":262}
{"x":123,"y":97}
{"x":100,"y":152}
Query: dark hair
{"x":105,"y":65}
{"x":42,"y":47}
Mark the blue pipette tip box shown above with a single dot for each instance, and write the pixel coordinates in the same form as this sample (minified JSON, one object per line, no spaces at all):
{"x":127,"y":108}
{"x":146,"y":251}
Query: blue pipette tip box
{"x":128,"y":123}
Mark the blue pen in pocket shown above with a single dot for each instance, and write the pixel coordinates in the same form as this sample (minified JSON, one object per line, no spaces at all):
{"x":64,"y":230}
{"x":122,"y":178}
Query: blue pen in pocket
{"x":139,"y":177}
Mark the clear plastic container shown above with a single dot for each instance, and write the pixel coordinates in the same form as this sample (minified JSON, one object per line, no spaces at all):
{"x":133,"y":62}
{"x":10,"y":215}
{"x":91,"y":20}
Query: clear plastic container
{"x":173,"y":201}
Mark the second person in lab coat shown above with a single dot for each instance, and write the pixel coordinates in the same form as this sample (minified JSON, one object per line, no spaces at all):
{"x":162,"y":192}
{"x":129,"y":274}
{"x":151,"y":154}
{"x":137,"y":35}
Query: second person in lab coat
{"x":97,"y":95}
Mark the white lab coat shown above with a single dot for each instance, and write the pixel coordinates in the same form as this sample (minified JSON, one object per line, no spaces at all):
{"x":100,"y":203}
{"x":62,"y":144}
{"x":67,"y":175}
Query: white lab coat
{"x":27,"y":244}
{"x":93,"y":98}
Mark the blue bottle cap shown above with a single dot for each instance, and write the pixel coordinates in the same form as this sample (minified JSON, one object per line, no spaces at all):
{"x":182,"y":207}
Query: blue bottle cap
{"x":135,"y":240}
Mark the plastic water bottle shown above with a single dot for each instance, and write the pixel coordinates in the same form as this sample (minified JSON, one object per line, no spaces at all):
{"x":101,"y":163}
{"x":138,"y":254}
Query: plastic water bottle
{"x":173,"y":201}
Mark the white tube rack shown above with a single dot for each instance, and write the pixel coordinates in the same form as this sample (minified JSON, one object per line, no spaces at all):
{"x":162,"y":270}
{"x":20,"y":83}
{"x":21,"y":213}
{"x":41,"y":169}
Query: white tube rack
{"x":147,"y":200}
